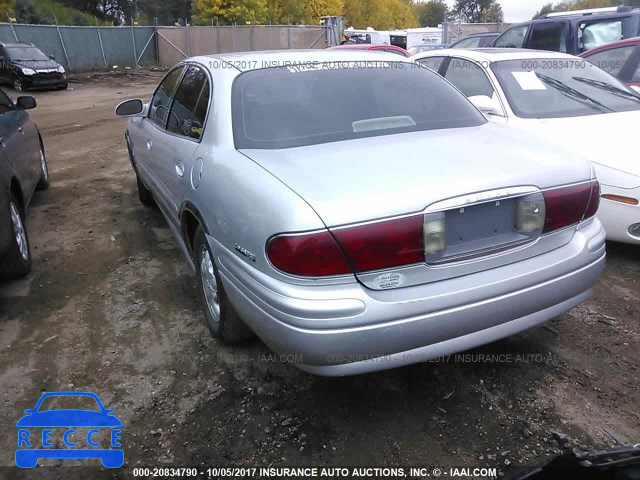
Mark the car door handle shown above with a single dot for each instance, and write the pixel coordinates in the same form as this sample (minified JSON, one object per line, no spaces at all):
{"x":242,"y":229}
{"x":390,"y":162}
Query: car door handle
{"x":149,"y":144}
{"x":180,"y":169}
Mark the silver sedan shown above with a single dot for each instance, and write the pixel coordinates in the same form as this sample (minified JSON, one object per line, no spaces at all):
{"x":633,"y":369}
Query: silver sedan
{"x":356,"y":211}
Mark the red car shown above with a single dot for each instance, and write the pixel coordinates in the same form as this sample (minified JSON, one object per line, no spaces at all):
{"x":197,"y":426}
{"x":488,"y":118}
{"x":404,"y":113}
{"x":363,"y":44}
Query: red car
{"x":370,"y":46}
{"x":620,"y":59}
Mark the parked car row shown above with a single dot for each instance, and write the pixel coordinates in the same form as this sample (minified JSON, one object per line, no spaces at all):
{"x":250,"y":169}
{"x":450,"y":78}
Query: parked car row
{"x":23,"y":170}
{"x":355,"y":210}
{"x":559,"y":97}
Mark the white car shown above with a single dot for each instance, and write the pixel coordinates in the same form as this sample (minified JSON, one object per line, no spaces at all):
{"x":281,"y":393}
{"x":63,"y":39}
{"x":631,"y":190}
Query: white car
{"x":566,"y":100}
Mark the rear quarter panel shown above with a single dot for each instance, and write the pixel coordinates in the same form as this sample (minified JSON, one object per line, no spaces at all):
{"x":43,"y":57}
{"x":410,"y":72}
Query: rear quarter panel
{"x":240,"y":202}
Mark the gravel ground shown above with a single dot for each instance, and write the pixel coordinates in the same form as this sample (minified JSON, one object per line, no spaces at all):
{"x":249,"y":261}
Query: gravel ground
{"x":111,"y":307}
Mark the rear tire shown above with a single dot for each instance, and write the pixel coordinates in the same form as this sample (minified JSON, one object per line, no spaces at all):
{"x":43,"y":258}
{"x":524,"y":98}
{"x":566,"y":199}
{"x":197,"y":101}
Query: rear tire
{"x":17,"y":260}
{"x":224,"y":323}
{"x":43,"y":183}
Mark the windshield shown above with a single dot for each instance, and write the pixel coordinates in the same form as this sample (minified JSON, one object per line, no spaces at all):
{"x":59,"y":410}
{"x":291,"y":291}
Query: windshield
{"x":555,"y":88}
{"x":26,"y":54}
{"x":69,"y":402}
{"x":327,"y":102}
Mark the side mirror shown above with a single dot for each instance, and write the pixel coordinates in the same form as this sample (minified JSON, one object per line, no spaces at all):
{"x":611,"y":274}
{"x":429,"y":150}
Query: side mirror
{"x":26,"y":103}
{"x":486,"y":105}
{"x":130,"y":108}
{"x":635,"y":88}
{"x":52,"y":57}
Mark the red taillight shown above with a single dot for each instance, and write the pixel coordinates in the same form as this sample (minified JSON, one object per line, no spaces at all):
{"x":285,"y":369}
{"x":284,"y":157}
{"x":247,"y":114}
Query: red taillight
{"x":569,"y":205}
{"x":594,"y":201}
{"x":374,"y":246}
{"x":309,"y":255}
{"x":385,"y":244}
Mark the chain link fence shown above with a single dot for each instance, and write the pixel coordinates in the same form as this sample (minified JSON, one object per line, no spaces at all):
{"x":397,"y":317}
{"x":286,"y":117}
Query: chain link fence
{"x":81,"y":49}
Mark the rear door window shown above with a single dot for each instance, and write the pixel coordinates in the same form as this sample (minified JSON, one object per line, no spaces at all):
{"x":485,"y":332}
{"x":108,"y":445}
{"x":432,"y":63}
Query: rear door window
{"x":513,"y":38}
{"x":594,"y":34}
{"x":189,"y":109}
{"x":469,"y":78}
{"x":549,"y":36}
{"x":612,"y":61}
{"x":161,"y":100}
{"x":433,"y":63}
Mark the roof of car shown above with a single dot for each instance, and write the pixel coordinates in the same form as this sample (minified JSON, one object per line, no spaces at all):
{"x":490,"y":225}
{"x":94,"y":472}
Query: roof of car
{"x":245,"y":61}
{"x":608,"y":46}
{"x":483,"y":34}
{"x":363,"y":46}
{"x":494,"y":54}
{"x":17,"y":44}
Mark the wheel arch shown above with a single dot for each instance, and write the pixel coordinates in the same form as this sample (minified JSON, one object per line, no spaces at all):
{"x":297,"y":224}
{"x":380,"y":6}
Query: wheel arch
{"x":16,"y":189}
{"x":190,"y":219}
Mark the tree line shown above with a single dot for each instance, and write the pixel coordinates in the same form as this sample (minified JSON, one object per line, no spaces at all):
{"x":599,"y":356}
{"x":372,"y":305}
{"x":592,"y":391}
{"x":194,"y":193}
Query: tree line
{"x":582,"y":4}
{"x":379,"y":14}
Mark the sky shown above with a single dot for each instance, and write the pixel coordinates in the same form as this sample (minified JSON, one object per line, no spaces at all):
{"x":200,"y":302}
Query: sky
{"x":517,"y":10}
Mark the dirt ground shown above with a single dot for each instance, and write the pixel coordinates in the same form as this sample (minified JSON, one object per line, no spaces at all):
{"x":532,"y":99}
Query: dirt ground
{"x":111,"y":307}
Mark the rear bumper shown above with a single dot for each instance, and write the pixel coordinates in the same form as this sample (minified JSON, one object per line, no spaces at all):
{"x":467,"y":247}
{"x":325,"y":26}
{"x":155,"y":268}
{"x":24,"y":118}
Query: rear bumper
{"x":347,"y":329}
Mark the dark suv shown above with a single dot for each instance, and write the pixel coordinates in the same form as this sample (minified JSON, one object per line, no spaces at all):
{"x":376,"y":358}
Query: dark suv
{"x":573,"y":32}
{"x":23,"y":65}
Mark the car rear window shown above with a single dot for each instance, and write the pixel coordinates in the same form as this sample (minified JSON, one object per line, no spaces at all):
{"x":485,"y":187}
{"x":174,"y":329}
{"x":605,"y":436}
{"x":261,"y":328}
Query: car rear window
{"x":318,"y":103}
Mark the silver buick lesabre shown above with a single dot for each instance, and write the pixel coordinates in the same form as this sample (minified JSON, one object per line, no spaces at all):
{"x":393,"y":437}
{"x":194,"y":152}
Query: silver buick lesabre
{"x":356,"y":212}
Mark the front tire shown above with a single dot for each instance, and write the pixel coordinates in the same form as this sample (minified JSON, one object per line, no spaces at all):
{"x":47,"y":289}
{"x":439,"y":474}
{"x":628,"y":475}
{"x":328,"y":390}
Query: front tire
{"x":17,"y":260}
{"x":224,"y":323}
{"x":18,"y":86}
{"x":43,"y":183}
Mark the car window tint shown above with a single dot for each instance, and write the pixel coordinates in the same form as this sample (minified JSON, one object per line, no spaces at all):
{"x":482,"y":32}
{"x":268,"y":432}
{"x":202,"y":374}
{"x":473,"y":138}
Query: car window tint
{"x":594,"y":34}
{"x":161,"y":100}
{"x":612,"y":61}
{"x":189,"y":109}
{"x":549,"y":36}
{"x":468,"y":43}
{"x":469,"y":78}
{"x":291,"y":107}
{"x":6,"y":105}
{"x":434,"y":63}
{"x":513,"y":38}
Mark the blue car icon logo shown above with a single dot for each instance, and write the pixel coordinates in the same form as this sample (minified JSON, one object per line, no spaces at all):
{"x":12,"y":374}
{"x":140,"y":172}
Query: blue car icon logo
{"x":82,"y":433}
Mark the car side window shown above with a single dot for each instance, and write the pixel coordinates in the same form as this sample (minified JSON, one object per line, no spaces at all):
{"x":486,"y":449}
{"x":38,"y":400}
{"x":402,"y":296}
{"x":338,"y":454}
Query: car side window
{"x":549,"y":36}
{"x":473,"y":42}
{"x":161,"y":100}
{"x":513,"y":38}
{"x":6,"y":105}
{"x":594,"y":34}
{"x":434,"y":63}
{"x":636,"y":75}
{"x":469,"y":78}
{"x":612,"y":61}
{"x":189,"y":108}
